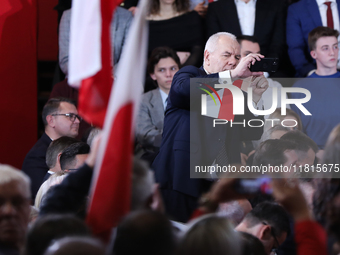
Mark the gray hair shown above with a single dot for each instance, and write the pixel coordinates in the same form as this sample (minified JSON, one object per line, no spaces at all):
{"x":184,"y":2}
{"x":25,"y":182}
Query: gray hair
{"x":210,"y":234}
{"x":94,"y":132}
{"x":9,"y":174}
{"x":210,"y":46}
{"x":232,"y":211}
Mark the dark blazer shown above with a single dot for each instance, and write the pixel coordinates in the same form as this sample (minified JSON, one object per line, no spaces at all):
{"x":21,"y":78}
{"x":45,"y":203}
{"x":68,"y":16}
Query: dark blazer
{"x":269,"y":28}
{"x":35,"y":163}
{"x":199,"y":145}
{"x":302,"y":18}
{"x":69,"y":196}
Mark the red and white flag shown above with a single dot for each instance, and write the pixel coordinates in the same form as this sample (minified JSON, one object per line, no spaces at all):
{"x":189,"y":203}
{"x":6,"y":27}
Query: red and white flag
{"x":90,"y":63}
{"x":111,"y":186}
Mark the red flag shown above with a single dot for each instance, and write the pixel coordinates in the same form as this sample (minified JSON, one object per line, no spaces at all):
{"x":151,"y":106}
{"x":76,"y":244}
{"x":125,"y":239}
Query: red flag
{"x":111,"y":187}
{"x":90,"y":63}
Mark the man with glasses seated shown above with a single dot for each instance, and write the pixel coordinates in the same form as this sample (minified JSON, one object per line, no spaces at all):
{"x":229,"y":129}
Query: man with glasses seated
{"x":60,"y":117}
{"x":269,"y":222}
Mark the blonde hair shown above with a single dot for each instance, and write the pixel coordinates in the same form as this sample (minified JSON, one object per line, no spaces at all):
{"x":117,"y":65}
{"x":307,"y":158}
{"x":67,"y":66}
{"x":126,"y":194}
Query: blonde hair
{"x":53,"y":180}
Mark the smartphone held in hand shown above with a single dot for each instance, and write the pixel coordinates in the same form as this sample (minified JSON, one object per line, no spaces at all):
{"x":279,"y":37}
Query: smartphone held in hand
{"x":269,"y":65}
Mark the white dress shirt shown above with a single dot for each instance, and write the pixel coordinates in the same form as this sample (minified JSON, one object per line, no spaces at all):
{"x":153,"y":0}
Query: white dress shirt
{"x":164,"y":98}
{"x":246,"y":16}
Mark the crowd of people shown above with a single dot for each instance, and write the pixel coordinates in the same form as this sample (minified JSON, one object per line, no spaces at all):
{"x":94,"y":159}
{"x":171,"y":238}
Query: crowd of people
{"x":288,"y":200}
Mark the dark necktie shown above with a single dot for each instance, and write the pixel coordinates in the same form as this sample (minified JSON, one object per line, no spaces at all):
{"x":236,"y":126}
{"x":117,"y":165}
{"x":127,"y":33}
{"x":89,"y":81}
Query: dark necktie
{"x":329,"y":15}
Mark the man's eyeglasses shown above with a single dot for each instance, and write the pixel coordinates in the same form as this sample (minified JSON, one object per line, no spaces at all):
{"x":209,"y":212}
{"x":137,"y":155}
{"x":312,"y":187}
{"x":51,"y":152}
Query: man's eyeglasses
{"x":71,"y":116}
{"x":274,"y":250}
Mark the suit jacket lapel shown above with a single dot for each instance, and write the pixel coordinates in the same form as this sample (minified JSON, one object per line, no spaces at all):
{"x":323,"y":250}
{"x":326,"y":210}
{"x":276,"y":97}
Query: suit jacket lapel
{"x":232,"y":17}
{"x":313,"y":9}
{"x":157,"y":103}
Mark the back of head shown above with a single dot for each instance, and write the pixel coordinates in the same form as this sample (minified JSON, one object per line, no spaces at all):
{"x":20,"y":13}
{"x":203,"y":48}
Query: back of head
{"x":144,"y":232}
{"x":68,"y":157}
{"x":302,"y":141}
{"x":235,"y":210}
{"x":76,"y":246}
{"x":52,"y":106}
{"x":157,"y":54}
{"x":51,"y":227}
{"x":272,"y":152}
{"x":319,"y":32}
{"x":56,"y":147}
{"x":9,"y":174}
{"x":332,"y":149}
{"x":211,"y":235}
{"x":251,"y":245}
{"x":53,"y":180}
{"x":270,"y":213}
{"x":92,"y":134}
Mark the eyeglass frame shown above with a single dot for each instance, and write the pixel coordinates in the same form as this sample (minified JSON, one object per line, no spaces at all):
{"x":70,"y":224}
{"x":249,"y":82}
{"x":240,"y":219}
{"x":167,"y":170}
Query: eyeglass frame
{"x":273,"y":235}
{"x":69,"y":115}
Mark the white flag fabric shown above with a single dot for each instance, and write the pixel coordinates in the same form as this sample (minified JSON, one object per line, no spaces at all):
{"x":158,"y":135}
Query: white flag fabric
{"x":85,"y":41}
{"x":111,"y":185}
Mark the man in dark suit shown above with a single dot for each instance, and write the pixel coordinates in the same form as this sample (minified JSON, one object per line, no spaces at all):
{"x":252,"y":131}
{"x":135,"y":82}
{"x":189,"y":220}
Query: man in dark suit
{"x":267,"y":23}
{"x":302,"y":18}
{"x":60,"y":117}
{"x":181,"y":149}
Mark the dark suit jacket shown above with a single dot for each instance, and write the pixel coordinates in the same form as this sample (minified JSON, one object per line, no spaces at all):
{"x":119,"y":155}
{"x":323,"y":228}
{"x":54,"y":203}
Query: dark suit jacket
{"x":69,"y":196}
{"x":182,"y":143}
{"x":302,"y":18}
{"x":269,"y":28}
{"x":35,"y":163}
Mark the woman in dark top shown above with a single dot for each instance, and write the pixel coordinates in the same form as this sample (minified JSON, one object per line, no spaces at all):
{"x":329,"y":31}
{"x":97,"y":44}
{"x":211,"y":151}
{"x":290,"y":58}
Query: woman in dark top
{"x":171,"y":24}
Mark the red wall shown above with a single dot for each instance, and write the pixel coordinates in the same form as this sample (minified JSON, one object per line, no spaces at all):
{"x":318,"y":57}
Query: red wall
{"x":47,"y":30}
{"x":18,"y":80}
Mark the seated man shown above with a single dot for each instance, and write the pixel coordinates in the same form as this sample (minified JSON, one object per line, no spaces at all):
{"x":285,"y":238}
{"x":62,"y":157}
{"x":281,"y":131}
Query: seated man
{"x":302,"y":17}
{"x":284,"y":152}
{"x":60,"y":117}
{"x":74,"y":156}
{"x":269,"y":222}
{"x":324,"y":102}
{"x":162,"y":66}
{"x":14,"y":209}
{"x":53,"y":154}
